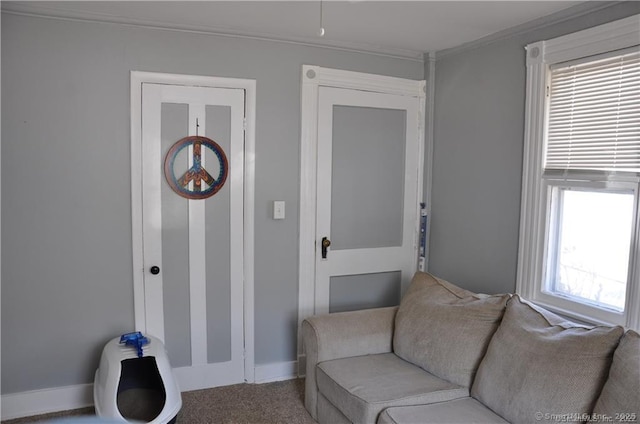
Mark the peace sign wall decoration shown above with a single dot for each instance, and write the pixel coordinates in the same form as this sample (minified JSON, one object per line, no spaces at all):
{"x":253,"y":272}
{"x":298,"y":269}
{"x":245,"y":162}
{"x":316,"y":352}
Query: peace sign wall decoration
{"x":197,"y":173}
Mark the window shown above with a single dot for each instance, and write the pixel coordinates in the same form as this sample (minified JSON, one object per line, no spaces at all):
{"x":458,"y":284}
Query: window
{"x":579,"y":238}
{"x":589,"y":245}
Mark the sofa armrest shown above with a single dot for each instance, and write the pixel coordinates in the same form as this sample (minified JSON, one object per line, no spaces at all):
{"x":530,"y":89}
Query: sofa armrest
{"x":342,"y":335}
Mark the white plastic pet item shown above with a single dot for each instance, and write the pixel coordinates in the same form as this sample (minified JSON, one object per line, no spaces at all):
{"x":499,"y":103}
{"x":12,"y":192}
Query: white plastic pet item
{"x":135,"y":383}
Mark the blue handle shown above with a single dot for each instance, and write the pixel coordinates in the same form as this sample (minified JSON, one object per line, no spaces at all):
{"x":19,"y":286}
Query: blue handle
{"x":135,"y":339}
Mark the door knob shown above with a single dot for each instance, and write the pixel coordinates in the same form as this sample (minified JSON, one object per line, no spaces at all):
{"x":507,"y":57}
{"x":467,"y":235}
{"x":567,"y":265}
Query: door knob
{"x":325,"y":244}
{"x":155,"y":270}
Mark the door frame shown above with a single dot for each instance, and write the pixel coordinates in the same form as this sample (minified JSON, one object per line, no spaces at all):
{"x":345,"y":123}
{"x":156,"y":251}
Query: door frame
{"x":314,"y":77}
{"x":137,"y":79}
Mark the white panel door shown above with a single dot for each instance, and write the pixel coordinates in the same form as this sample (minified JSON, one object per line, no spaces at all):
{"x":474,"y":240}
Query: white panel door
{"x":193,"y":299}
{"x":367,"y":198}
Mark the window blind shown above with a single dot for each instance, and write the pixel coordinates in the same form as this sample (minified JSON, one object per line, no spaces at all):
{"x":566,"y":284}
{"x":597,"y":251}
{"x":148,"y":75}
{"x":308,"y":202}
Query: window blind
{"x":594,"y":115}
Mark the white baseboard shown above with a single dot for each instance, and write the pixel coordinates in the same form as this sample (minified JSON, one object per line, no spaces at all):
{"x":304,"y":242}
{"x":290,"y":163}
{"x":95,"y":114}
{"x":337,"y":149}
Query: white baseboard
{"x":276,"y":372}
{"x":36,"y":402}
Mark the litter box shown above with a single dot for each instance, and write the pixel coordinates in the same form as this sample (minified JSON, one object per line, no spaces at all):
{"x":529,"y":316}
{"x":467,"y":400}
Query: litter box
{"x":134,"y":381}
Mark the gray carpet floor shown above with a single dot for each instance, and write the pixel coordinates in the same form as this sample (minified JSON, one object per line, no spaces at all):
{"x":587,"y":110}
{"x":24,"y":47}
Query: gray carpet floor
{"x":281,"y":402}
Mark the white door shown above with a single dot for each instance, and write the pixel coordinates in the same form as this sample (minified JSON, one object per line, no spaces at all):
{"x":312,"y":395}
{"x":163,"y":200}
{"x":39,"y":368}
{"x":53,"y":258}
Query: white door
{"x":367,"y":201}
{"x":193,"y":248}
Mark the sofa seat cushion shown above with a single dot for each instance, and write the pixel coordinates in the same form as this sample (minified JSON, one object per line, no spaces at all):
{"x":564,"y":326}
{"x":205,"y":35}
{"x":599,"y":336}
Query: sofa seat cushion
{"x":329,"y":414}
{"x":620,"y":397}
{"x":445,"y":329}
{"x":362,"y":386}
{"x":539,"y":363}
{"x":466,"y":410}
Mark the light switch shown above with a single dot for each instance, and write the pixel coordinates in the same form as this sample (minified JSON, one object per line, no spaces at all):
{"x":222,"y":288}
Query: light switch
{"x":278,"y":209}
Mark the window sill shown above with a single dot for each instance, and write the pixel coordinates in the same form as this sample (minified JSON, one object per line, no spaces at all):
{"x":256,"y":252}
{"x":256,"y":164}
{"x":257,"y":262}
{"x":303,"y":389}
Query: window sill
{"x":555,"y":305}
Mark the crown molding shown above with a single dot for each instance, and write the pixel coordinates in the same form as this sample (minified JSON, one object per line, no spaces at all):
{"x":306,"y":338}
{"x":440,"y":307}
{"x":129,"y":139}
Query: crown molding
{"x":47,"y":12}
{"x":536,"y":24}
{"x":39,"y":10}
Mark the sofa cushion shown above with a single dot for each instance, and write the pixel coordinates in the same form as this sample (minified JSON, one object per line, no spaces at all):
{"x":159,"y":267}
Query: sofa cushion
{"x":621,"y":392}
{"x":362,"y":386}
{"x":457,"y":411}
{"x":445,"y":329}
{"x":327,"y":413}
{"x":539,"y":363}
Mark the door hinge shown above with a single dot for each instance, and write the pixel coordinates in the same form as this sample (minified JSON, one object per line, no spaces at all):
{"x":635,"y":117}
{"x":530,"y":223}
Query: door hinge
{"x":244,"y":124}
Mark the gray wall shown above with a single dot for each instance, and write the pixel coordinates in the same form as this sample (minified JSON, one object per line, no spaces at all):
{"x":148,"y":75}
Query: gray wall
{"x":477,"y":162}
{"x":66,"y":209}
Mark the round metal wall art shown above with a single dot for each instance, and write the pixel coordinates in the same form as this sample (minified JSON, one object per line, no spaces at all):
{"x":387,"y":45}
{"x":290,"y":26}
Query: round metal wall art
{"x":197,"y":173}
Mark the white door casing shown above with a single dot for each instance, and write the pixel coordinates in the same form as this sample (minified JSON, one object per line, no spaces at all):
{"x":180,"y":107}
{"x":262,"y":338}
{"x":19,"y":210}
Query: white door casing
{"x":149,"y":91}
{"x":322,"y":89}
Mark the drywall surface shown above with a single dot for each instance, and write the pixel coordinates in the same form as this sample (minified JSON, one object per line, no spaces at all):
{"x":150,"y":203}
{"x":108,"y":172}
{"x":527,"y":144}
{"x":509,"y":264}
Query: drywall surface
{"x":477,"y":159}
{"x":66,"y":211}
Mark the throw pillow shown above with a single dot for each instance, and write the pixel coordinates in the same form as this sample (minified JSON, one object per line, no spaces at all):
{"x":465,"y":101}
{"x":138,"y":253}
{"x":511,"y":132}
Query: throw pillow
{"x":620,"y":397}
{"x":541,"y":367}
{"x":445,"y":329}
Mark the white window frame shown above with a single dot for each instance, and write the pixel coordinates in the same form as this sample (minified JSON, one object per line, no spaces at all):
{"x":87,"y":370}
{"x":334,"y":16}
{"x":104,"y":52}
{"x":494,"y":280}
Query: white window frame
{"x":536,"y":189}
{"x":583,"y":310}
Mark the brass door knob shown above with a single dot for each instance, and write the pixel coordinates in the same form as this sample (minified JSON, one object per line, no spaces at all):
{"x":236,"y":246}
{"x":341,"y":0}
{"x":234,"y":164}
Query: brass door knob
{"x":325,"y":245}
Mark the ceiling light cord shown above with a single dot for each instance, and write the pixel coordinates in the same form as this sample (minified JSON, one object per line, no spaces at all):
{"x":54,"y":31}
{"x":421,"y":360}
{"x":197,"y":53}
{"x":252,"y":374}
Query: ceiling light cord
{"x":321,"y":31}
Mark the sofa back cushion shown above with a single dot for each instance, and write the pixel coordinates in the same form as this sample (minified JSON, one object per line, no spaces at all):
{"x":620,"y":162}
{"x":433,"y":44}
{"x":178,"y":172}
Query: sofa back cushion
{"x":445,"y":329}
{"x":620,"y":397}
{"x":539,"y":363}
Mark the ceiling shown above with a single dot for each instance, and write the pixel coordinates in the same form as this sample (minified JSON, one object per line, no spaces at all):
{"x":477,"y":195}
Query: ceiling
{"x":398,"y":28}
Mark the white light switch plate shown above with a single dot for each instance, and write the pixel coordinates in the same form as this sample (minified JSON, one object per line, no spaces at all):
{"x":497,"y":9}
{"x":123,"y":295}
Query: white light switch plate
{"x":278,"y":209}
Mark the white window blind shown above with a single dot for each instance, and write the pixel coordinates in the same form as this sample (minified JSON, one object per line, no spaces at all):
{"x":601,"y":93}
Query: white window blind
{"x":594,"y":115}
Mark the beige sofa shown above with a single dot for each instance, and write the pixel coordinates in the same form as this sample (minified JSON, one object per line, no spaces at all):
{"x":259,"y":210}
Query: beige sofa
{"x":447,"y":355}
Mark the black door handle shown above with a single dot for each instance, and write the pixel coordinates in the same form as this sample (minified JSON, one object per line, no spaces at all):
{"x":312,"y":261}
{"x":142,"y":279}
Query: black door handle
{"x":325,"y":244}
{"x":155,"y":270}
